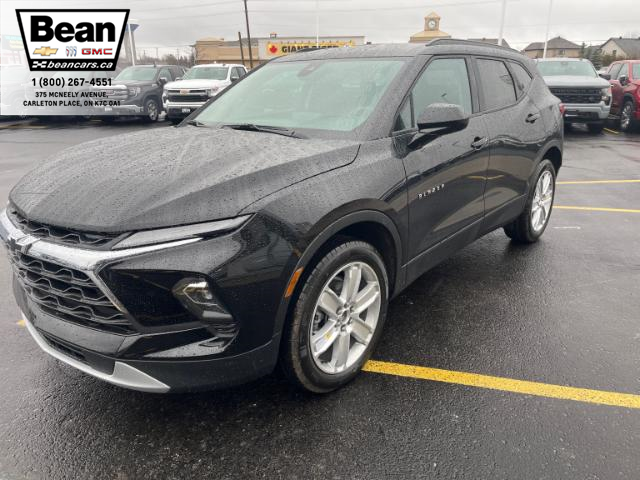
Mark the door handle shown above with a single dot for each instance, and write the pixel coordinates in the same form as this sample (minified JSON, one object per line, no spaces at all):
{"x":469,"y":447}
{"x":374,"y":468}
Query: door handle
{"x":478,"y":143}
{"x":532,"y":117}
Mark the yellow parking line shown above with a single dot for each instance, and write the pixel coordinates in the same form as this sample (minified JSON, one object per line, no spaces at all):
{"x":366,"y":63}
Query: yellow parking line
{"x":597,"y":209}
{"x":611,"y":131}
{"x":590,"y":182}
{"x":21,"y":323}
{"x":601,"y":397}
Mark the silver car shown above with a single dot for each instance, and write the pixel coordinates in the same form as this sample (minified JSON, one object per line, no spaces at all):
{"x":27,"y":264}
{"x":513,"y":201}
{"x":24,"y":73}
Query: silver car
{"x":585,"y":95}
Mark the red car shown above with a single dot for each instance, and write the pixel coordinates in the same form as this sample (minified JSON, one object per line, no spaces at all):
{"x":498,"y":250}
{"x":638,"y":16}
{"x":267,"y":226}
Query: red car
{"x":625,"y":86}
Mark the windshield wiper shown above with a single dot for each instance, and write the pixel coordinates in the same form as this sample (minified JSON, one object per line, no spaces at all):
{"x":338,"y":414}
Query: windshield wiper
{"x":252,"y":127}
{"x":196,"y":123}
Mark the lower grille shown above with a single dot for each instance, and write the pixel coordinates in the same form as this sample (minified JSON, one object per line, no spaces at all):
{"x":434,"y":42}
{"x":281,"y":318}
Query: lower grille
{"x":578,"y":95}
{"x":63,"y":348}
{"x":191,"y":97}
{"x":67,"y":293}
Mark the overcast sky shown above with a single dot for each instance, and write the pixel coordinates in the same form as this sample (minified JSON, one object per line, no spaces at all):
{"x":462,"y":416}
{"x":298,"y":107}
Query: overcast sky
{"x":175,"y":23}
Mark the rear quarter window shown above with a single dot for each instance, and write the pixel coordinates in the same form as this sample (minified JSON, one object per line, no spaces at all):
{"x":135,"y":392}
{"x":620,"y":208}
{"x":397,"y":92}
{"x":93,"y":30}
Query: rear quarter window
{"x":522,"y":78}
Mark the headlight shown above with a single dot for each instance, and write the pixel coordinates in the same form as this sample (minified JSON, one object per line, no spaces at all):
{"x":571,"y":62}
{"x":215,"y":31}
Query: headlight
{"x":606,"y":95}
{"x":133,"y":91}
{"x":171,"y":234}
{"x":212,"y":91}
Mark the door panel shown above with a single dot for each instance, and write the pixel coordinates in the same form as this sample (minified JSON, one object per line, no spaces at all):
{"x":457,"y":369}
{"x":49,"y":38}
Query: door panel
{"x":446,"y":181}
{"x":516,"y":132}
{"x":445,"y":171}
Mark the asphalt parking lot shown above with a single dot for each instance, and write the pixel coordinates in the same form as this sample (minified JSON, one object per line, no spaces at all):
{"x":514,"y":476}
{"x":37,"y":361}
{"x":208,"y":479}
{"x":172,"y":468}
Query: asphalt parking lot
{"x":500,"y":330}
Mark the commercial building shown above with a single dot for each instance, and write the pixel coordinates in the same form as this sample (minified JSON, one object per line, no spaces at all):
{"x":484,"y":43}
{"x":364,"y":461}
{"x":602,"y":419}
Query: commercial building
{"x":431,"y":30}
{"x":211,"y":49}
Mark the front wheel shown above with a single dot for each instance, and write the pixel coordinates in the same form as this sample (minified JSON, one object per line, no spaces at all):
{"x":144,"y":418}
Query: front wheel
{"x":533,"y":221}
{"x":151,"y":110}
{"x":337,"y":319}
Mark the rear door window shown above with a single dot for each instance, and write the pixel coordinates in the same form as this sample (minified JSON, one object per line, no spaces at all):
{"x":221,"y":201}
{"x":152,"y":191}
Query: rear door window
{"x":497,"y":86}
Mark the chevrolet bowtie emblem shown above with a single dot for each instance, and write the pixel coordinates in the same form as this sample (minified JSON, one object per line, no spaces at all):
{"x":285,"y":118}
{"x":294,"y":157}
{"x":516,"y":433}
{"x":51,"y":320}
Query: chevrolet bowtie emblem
{"x":45,"y":51}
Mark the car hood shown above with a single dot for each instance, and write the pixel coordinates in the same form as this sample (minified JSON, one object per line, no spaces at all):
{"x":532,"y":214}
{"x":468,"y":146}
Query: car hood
{"x":173,"y":176}
{"x":196,"y":83}
{"x":575,"y":81}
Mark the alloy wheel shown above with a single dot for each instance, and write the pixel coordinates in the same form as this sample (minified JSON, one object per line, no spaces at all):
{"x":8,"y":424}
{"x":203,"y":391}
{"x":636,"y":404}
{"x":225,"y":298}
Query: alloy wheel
{"x":625,"y":117}
{"x":542,"y":200}
{"x":345,"y":317}
{"x":152,"y":111}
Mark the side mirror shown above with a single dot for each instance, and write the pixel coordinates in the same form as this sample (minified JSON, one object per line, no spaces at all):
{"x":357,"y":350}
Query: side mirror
{"x":623,"y":79}
{"x":163,"y":80}
{"x":606,"y":76}
{"x":446,"y":116}
{"x":234,"y":79}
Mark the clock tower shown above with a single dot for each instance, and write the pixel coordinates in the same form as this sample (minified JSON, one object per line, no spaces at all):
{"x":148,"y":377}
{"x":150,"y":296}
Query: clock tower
{"x":431,"y":30}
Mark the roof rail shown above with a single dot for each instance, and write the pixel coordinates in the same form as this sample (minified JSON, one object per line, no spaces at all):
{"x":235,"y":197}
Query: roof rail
{"x":458,"y":41}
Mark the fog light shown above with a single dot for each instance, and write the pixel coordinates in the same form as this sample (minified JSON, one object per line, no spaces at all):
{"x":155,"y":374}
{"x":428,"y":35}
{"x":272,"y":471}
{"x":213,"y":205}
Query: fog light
{"x":196,"y":296}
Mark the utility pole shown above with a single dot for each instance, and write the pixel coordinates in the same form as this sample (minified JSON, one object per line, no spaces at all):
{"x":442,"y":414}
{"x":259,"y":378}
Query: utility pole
{"x":504,"y":13}
{"x":546,"y":35}
{"x":241,"y":48}
{"x":317,"y":24}
{"x":246,"y":18}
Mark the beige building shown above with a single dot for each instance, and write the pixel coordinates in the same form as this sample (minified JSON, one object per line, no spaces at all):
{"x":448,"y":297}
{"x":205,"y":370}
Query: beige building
{"x":622,"y":48}
{"x":556,"y":47}
{"x":431,"y":30}
{"x":212,"y":49}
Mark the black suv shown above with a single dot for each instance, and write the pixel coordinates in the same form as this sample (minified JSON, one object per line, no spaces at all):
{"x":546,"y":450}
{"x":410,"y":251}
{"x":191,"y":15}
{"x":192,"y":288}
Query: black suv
{"x":275,"y":224}
{"x":139,"y":91}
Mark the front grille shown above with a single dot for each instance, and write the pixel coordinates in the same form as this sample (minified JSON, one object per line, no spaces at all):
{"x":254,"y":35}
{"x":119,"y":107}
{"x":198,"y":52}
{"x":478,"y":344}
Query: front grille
{"x":194,"y":96}
{"x":578,"y":95}
{"x":67,"y":293}
{"x":59,"y":234}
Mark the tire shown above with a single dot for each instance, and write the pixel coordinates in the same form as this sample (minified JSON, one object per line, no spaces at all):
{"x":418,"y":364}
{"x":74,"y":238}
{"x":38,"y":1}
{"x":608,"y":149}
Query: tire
{"x":107,"y":119}
{"x":595,"y":127}
{"x":151,"y":110}
{"x":301,"y":358}
{"x":174,"y":120}
{"x":627,"y":122}
{"x":525,"y":229}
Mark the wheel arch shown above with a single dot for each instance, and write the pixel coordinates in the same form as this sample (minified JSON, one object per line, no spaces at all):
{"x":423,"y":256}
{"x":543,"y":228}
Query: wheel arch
{"x":372,"y":226}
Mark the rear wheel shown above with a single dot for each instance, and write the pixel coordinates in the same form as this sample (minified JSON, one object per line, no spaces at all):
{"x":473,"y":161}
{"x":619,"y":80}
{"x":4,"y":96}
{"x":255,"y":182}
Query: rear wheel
{"x":533,"y":221}
{"x":595,"y":127}
{"x":338,"y":318}
{"x":627,"y":122}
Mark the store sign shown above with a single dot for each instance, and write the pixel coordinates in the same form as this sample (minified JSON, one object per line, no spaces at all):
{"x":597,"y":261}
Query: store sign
{"x":276,"y":49}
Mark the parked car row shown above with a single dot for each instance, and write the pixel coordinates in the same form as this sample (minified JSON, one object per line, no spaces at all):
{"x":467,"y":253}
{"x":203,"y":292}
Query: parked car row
{"x":592,"y":97}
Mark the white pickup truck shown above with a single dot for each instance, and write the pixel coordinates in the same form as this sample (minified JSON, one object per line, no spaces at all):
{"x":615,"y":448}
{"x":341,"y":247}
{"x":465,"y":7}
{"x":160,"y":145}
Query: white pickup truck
{"x":198,"y":85}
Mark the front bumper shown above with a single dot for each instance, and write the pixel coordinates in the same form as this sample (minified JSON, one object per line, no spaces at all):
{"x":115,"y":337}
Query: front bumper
{"x":247,"y":275}
{"x":586,"y":113}
{"x":181,"y":110}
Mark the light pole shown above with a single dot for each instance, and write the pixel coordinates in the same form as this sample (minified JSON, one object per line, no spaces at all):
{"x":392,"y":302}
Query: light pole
{"x":546,"y":35}
{"x":246,"y":18}
{"x":504,"y":13}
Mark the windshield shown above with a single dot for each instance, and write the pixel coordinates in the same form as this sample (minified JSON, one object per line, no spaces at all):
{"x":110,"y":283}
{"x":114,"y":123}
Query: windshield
{"x":576,"y":69}
{"x":68,"y":75}
{"x":137,"y":73}
{"x":335,"y":95}
{"x":208,"y":73}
